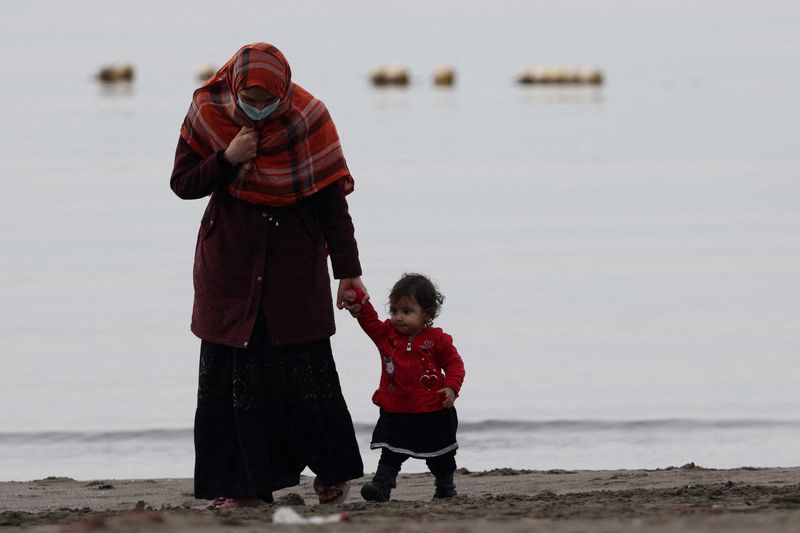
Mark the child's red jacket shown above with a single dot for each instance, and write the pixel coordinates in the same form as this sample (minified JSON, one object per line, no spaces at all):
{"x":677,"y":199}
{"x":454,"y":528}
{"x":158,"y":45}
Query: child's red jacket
{"x":413,"y":369}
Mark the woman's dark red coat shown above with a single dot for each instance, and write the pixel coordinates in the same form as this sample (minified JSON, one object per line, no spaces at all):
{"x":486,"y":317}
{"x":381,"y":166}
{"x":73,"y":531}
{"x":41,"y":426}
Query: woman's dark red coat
{"x":253,"y":256}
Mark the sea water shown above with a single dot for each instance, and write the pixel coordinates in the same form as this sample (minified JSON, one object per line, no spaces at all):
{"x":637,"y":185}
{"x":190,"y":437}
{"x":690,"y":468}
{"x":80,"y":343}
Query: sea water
{"x":619,"y":261}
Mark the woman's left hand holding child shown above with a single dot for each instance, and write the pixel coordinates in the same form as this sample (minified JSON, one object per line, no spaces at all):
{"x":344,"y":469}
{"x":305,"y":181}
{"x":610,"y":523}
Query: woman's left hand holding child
{"x":353,"y":298}
{"x":350,"y":287}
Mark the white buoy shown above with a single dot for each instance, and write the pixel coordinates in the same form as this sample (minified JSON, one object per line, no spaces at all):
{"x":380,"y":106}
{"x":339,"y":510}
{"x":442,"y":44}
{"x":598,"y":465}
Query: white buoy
{"x":444,"y":76}
{"x":560,"y":76}
{"x":595,"y":77}
{"x":116,"y":73}
{"x":390,"y":75}
{"x":206,"y":72}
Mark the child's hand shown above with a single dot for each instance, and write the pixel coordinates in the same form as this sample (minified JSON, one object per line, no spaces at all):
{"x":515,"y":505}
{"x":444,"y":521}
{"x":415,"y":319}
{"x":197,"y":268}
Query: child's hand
{"x":449,"y":397}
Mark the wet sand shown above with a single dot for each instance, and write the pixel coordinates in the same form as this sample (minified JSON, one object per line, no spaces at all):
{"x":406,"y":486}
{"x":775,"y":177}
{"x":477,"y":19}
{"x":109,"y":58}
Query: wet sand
{"x":687,"y":498}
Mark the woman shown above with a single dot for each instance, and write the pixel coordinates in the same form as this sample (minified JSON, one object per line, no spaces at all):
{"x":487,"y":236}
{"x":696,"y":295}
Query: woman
{"x":269,"y":400}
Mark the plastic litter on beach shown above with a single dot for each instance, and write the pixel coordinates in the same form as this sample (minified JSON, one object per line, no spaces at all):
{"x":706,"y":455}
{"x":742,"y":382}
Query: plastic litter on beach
{"x":287,"y":515}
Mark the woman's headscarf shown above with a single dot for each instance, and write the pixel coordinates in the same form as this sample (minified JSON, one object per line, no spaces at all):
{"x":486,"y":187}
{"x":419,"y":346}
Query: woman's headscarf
{"x":298,"y":146}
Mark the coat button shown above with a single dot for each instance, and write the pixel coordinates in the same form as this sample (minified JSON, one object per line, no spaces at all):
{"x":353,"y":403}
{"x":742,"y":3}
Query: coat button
{"x":260,"y":278}
{"x":245,"y":344}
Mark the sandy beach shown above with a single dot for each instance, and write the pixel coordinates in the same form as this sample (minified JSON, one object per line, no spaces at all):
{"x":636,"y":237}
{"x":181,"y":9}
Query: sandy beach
{"x":687,"y":498}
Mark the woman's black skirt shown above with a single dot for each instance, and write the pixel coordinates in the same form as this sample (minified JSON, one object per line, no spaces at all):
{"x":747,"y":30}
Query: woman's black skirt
{"x":266,"y":412}
{"x":419,"y":435}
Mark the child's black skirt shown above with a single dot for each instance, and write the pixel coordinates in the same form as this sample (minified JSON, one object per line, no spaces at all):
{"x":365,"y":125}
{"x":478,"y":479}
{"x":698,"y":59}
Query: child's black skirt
{"x":419,"y":435}
{"x":266,"y":412}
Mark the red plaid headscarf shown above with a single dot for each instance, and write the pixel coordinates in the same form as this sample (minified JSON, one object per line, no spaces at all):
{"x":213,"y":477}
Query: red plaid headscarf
{"x":298,"y":147}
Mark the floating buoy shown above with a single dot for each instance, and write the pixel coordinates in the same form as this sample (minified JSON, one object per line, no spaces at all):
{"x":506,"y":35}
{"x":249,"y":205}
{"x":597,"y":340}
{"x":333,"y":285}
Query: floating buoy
{"x":206,"y":72}
{"x":444,"y":76}
{"x":560,"y":76}
{"x":116,"y":73}
{"x":390,"y":75}
{"x":590,"y":76}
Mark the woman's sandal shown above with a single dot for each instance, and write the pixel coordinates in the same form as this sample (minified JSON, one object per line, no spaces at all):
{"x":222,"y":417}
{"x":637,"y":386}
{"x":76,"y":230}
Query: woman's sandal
{"x":331,"y":494}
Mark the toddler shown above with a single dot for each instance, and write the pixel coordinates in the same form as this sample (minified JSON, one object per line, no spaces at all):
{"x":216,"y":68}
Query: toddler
{"x":421,"y":374}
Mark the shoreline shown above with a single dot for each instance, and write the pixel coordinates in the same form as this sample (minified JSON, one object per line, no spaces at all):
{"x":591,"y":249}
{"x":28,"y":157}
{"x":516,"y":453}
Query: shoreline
{"x":683,"y":498}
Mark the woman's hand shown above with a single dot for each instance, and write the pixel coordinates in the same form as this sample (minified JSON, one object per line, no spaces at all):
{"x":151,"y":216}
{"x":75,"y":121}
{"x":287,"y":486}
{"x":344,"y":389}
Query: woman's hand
{"x":348,"y":284}
{"x":243,"y":147}
{"x":351,"y":304}
{"x":449,"y":397}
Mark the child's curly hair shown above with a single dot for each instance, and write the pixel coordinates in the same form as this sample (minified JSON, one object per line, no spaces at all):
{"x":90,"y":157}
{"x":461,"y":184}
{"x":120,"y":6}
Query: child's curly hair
{"x":422,"y":290}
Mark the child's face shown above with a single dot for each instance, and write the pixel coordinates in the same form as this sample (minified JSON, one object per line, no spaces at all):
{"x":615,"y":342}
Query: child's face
{"x":407,"y":316}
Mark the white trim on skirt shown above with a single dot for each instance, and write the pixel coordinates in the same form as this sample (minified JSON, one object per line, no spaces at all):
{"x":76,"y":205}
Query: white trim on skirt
{"x":376,"y":445}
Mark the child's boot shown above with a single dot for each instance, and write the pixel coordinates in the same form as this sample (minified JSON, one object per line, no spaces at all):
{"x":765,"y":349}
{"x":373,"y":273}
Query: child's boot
{"x":445,"y":487}
{"x":380,"y":488}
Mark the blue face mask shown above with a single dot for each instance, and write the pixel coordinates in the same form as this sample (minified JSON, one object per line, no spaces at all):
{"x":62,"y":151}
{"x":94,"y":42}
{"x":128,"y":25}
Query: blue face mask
{"x":258,"y":114}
